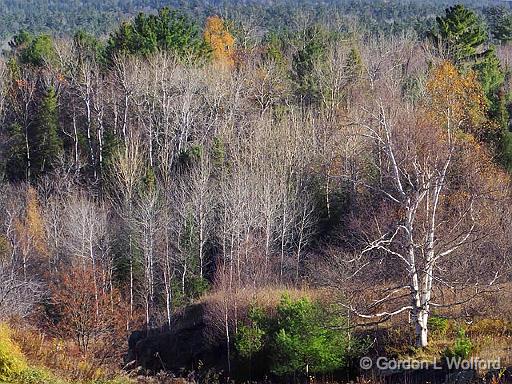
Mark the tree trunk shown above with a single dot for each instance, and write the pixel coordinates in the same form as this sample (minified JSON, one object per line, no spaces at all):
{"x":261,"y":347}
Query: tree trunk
{"x":421,"y":329}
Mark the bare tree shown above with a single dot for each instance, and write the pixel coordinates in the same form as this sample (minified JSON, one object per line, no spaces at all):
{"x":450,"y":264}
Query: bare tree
{"x":146,"y":226}
{"x":423,"y":218}
{"x":128,"y":170}
{"x":18,"y":296}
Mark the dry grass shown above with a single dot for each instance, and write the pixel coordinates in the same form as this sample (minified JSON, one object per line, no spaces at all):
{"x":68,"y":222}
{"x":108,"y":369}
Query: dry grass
{"x":266,"y":298}
{"x":230,"y":308}
{"x":62,"y":357}
{"x":490,"y":334}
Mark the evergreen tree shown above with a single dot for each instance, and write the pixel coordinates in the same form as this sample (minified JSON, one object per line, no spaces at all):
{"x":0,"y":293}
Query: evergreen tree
{"x":500,"y":23}
{"x":16,"y":162}
{"x":354,"y":64}
{"x":21,"y":39}
{"x":304,"y":62}
{"x":111,"y":144}
{"x":302,"y":337}
{"x":48,"y":145}
{"x":166,"y":31}
{"x":32,"y":49}
{"x":461,"y":32}
{"x":492,"y":78}
{"x":274,"y":48}
{"x":87,"y":46}
{"x":39,"y":51}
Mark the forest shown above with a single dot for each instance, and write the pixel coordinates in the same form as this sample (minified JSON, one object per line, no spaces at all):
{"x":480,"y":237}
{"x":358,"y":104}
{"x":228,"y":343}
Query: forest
{"x":65,"y":17}
{"x":252,"y":192}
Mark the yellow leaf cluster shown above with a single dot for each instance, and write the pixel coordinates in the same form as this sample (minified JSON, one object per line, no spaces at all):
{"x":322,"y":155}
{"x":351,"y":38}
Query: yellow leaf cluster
{"x":12,"y":360}
{"x":221,"y":41}
{"x":31,"y":229}
{"x":457,"y":100}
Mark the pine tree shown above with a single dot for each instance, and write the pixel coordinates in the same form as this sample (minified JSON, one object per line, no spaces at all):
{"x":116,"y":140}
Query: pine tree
{"x":304,"y":62}
{"x":275,"y":49}
{"x":48,"y":144}
{"x":167,"y":31}
{"x":492,"y":78}
{"x":461,"y":32}
{"x":88,"y":47}
{"x":32,"y":49}
{"x":16,"y":162}
{"x":354,"y":64}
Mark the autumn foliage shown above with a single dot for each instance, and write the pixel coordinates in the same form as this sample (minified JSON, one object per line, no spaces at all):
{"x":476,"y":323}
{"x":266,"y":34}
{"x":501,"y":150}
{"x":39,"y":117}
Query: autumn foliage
{"x":220,"y":39}
{"x":450,"y":89}
{"x":188,"y":165}
{"x":93,"y":316}
{"x":31,"y":233}
{"x":457,"y":100}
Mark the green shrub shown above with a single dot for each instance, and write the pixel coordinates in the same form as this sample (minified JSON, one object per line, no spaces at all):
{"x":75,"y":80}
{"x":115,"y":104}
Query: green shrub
{"x":12,"y":361}
{"x":438,"y":326}
{"x":304,"y":341}
{"x":303,"y":336}
{"x":249,"y":340}
{"x":462,"y":347}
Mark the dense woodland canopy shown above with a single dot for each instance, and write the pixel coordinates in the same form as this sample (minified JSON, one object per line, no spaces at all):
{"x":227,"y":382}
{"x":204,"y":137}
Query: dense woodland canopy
{"x":179,"y":157}
{"x":64,"y":17}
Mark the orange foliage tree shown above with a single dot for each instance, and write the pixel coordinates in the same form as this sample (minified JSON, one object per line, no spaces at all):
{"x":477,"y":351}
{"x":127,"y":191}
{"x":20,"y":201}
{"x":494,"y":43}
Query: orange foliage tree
{"x":94,"y":319}
{"x":31,"y":232}
{"x":459,"y":100}
{"x":219,"y":38}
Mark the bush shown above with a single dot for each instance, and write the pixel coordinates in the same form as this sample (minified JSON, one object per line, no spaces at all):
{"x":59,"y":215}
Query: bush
{"x":438,"y":326}
{"x":12,"y":361}
{"x":303,"y":336}
{"x":462,"y":347}
{"x":43,"y":376}
{"x":249,"y":340}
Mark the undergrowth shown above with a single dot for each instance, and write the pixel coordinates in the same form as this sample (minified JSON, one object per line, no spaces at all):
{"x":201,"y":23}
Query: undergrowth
{"x":15,"y":368}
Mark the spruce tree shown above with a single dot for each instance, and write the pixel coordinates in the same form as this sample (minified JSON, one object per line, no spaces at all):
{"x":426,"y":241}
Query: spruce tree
{"x":354,"y":64}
